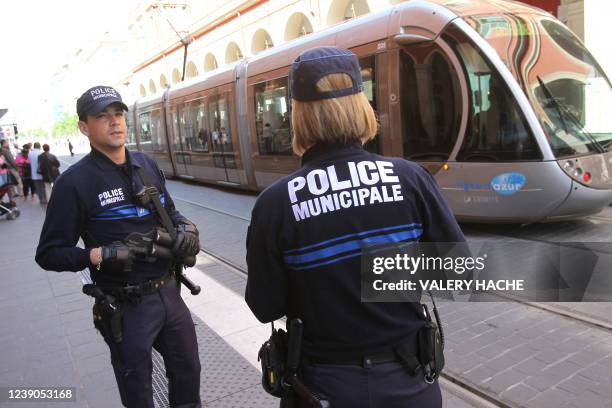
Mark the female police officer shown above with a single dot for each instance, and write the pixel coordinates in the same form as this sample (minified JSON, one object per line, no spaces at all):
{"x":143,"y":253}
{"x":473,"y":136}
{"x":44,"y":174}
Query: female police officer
{"x":307,"y":229}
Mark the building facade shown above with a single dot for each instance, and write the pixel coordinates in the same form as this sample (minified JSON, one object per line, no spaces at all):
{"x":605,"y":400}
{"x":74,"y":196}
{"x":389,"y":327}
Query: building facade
{"x":149,"y":54}
{"x":222,"y":32}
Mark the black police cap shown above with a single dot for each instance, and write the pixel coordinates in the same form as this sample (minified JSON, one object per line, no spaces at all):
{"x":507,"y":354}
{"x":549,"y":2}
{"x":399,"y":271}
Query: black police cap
{"x":96,"y":99}
{"x":313,"y":64}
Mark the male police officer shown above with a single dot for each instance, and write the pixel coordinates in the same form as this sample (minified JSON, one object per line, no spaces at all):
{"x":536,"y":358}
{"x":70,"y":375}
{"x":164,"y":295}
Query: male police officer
{"x":98,"y":200}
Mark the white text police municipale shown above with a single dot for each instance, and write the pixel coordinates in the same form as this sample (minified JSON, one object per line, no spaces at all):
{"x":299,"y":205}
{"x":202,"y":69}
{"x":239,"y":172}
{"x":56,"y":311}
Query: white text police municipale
{"x":333,"y":193}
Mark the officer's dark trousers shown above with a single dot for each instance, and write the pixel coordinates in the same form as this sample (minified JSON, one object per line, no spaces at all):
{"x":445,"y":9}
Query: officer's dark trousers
{"x":161,"y":320}
{"x":386,"y":385}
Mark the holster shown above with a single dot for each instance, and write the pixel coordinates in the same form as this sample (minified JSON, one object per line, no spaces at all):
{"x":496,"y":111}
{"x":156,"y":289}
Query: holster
{"x":273,"y":357}
{"x":426,"y":353}
{"x":108,"y":319}
{"x":431,"y":353}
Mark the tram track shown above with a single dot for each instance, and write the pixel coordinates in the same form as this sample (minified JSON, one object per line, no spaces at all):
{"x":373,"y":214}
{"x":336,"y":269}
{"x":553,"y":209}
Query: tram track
{"x":552,"y":308}
{"x":213,"y":209}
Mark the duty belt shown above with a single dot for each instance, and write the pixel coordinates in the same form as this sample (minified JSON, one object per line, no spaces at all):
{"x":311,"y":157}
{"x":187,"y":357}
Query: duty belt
{"x":364,"y":360}
{"x":137,"y":291}
{"x":406,"y":353}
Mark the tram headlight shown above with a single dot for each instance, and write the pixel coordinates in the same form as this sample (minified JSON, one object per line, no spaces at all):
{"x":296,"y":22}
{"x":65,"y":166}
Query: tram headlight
{"x":578,"y":172}
{"x":569,"y":165}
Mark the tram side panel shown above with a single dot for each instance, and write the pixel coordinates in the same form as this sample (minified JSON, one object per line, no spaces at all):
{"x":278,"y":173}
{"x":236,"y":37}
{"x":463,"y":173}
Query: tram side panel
{"x":205,"y":136}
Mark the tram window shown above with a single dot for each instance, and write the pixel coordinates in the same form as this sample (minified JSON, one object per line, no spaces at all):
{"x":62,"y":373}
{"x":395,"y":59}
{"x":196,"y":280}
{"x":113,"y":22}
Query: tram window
{"x":130,"y":143}
{"x":220,"y":125}
{"x":145,"y":131}
{"x":220,"y":131}
{"x":368,"y":74}
{"x":178,"y":124}
{"x":197,"y":137}
{"x":430,"y":103}
{"x":497,"y":129}
{"x":272,"y":117}
{"x":156,"y":131}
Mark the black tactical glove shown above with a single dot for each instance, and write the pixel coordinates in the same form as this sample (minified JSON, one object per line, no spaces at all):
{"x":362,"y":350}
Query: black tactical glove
{"x":118,"y":252}
{"x":187,"y":241}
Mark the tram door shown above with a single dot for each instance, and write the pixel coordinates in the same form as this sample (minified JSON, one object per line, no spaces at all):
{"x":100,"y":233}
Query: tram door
{"x":430,"y":96}
{"x":223,"y":151}
{"x":432,"y":107}
{"x":181,"y":153}
{"x":368,"y":74}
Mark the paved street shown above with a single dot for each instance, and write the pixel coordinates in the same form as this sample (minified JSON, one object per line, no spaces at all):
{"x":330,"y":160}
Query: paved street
{"x":521,"y":355}
{"x":48,"y":339}
{"x":518,"y":354}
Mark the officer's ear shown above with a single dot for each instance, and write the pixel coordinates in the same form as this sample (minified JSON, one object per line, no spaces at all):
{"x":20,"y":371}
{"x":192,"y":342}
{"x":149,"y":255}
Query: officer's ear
{"x":84,"y":128}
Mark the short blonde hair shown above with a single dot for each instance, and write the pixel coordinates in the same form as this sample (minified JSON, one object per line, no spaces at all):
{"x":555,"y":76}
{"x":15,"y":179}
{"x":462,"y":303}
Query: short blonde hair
{"x":341,"y":120}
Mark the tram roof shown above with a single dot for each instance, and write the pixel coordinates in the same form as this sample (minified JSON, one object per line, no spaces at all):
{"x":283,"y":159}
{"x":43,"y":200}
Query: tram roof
{"x":208,"y":80}
{"x":430,"y":15}
{"x":417,"y":15}
{"x":464,"y":8}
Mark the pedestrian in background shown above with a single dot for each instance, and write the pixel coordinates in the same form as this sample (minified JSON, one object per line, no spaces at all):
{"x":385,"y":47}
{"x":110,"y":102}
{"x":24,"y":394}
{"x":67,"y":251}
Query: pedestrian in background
{"x":304,"y":260}
{"x":70,"y":147}
{"x":48,"y":167}
{"x":37,"y":179}
{"x":25,"y":171}
{"x":12,"y":168}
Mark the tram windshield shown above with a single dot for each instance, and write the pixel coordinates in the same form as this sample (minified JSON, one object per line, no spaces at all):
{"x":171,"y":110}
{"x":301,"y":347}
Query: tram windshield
{"x":568,"y":89}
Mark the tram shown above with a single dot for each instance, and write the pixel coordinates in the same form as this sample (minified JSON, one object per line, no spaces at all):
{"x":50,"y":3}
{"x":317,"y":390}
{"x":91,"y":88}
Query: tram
{"x":498,"y":100}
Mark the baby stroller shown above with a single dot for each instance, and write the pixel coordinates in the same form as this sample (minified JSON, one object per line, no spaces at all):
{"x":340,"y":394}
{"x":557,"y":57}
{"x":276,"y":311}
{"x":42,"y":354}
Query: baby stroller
{"x":7,"y":180}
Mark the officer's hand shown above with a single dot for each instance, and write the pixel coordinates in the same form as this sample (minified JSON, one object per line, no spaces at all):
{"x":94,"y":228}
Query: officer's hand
{"x":187,"y":241}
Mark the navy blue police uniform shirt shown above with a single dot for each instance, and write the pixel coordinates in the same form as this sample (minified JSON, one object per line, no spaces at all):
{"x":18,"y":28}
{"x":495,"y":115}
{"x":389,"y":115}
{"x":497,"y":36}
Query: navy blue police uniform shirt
{"x":93,"y":200}
{"x":303,"y":246}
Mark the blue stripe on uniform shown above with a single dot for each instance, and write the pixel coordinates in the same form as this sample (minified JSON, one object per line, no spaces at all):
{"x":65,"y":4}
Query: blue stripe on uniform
{"x":294,"y":260}
{"x":129,"y":212}
{"x":125,"y":211}
{"x":358,"y":234}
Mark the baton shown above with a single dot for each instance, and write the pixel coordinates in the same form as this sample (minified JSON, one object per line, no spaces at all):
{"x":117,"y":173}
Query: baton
{"x":189,"y":284}
{"x":293,"y":363}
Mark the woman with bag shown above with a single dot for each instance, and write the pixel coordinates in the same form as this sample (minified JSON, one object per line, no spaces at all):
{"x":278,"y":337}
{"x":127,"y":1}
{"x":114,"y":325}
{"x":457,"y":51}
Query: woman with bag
{"x":25,"y":171}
